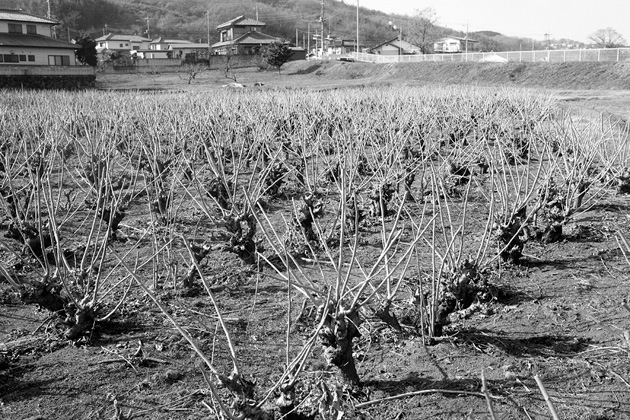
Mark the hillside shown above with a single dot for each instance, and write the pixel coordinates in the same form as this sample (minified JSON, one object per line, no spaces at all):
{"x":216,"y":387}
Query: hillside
{"x":188,"y":19}
{"x":571,"y":75}
{"x":191,"y":19}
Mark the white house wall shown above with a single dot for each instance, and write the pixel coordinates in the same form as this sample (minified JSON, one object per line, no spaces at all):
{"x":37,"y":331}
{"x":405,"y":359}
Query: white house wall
{"x":41,"y":55}
{"x":42,"y":29}
{"x":388,"y":50}
{"x":116,"y":45}
{"x":127,"y":46}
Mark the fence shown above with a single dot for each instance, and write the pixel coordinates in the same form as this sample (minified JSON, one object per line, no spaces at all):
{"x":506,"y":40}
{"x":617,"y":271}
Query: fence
{"x":552,"y":56}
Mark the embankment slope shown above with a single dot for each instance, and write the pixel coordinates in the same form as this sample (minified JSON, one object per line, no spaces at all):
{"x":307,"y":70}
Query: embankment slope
{"x":573,"y":75}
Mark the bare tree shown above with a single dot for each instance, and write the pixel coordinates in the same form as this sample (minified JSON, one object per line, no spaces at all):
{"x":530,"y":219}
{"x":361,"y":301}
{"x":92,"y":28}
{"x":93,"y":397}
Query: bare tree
{"x":607,"y":38}
{"x":190,"y":71}
{"x":229,"y":66}
{"x":423,"y":29}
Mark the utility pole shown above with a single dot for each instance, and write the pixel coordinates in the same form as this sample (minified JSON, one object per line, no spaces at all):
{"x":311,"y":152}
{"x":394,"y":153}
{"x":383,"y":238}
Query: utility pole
{"x":208,"y":25}
{"x":466,"y":42}
{"x":256,"y":7}
{"x":357,"y":26}
{"x":322,"y":19}
{"x":395,"y":27}
{"x":297,"y":38}
{"x":148,"y":33}
{"x":54,"y":31}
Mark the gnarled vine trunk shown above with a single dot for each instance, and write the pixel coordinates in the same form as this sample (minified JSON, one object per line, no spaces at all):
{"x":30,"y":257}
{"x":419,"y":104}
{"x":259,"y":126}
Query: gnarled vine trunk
{"x":336,"y":336}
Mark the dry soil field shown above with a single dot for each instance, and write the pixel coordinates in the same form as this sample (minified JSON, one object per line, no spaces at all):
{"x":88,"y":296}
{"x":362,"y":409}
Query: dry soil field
{"x":342,"y":241}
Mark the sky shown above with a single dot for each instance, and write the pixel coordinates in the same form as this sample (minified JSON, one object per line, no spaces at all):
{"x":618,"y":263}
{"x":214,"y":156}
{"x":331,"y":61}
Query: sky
{"x":573,"y":19}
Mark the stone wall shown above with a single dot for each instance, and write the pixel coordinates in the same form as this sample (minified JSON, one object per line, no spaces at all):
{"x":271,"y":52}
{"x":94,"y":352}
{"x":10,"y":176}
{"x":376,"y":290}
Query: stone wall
{"x":173,"y":65}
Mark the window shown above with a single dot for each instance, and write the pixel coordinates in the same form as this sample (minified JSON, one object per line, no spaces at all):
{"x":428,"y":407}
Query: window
{"x":59,"y":60}
{"x":135,"y":47}
{"x":1,"y":59}
{"x":31,"y":58}
{"x":121,"y":45}
{"x":11,"y":58}
{"x":22,"y":57}
{"x":31,"y":29}
{"x":15,"y":28}
{"x":100,"y":44}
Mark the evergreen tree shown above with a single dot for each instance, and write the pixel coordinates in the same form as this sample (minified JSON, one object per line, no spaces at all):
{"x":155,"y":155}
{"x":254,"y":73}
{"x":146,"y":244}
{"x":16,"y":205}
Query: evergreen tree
{"x":87,"y":53}
{"x":277,"y":54}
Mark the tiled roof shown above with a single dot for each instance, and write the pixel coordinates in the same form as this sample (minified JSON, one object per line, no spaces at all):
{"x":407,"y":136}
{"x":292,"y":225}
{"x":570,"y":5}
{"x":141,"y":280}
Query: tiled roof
{"x":250,"y":38}
{"x":18,"y":15}
{"x":241,"y":21}
{"x":118,"y":37}
{"x":34,"y":41}
{"x":188,"y":45}
{"x":457,"y":38}
{"x":401,"y":45}
{"x":169,"y":41}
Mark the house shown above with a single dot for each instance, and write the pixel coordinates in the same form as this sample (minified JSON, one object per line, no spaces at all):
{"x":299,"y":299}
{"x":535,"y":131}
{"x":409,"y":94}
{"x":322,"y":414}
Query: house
{"x":241,"y":35}
{"x":153,"y":54}
{"x":342,"y":46}
{"x":454,"y":44}
{"x":297,"y":53}
{"x":26,"y":39}
{"x":162,"y":44}
{"x":160,"y":48}
{"x":189,"y":51}
{"x":121,"y":43}
{"x":396,"y":46}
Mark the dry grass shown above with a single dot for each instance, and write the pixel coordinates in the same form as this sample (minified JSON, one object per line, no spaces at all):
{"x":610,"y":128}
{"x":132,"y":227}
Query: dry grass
{"x":334,"y":74}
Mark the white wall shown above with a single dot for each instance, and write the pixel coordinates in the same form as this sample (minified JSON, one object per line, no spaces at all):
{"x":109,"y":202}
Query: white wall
{"x":41,"y":55}
{"x":42,"y":29}
{"x":388,"y":50}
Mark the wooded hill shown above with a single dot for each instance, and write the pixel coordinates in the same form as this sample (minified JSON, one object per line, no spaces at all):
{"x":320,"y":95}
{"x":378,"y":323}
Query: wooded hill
{"x":190,"y":19}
